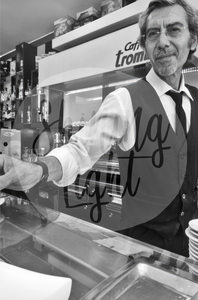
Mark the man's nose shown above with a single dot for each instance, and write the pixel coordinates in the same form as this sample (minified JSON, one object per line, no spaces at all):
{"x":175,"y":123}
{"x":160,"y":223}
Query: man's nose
{"x":163,"y":39}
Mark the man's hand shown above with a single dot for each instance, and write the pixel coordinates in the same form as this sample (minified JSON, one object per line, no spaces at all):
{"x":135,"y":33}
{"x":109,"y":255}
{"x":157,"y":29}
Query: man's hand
{"x":18,"y":175}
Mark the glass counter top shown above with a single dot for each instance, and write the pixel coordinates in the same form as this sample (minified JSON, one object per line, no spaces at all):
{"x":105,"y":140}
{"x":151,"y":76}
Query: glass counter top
{"x":39,"y":239}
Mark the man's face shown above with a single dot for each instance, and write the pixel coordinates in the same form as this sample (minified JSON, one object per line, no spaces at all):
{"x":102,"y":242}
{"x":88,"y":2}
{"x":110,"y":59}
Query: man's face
{"x":168,"y":54}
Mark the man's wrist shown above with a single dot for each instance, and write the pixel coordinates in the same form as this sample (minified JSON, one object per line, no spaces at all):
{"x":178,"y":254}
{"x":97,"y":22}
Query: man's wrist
{"x":45,"y":174}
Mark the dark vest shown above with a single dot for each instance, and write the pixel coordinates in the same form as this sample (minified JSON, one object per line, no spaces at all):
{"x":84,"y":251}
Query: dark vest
{"x":159,"y":173}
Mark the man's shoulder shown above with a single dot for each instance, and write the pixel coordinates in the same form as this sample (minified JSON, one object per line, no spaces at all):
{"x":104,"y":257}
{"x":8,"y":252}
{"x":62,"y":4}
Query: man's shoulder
{"x":141,"y":85}
{"x":193,"y":90}
{"x":192,"y":87}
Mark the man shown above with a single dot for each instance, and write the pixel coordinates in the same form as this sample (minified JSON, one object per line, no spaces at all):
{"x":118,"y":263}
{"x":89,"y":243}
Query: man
{"x":158,"y":165}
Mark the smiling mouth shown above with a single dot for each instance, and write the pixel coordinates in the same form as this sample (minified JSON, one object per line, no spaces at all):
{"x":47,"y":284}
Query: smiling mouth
{"x":164,"y":57}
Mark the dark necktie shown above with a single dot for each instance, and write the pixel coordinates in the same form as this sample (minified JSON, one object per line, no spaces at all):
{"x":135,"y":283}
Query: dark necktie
{"x":177,"y":97}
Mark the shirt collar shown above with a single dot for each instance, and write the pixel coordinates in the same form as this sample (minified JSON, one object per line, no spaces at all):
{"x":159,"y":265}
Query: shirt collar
{"x":161,"y":87}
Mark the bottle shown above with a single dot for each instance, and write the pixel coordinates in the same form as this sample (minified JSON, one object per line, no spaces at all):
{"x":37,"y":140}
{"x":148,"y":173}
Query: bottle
{"x":1,"y":112}
{"x":9,"y":110}
{"x":57,"y":140}
{"x":7,"y":116}
{"x":38,"y":115}
{"x":38,"y":90}
{"x":13,"y":96}
{"x":25,"y":154}
{"x":40,"y":152}
{"x":6,"y":94}
{"x":68,"y":132}
{"x":45,"y":111}
{"x":21,"y":116}
{"x":64,"y":140}
{"x":21,"y":90}
{"x":28,"y":89}
{"x":21,"y":68}
{"x":9,"y":94}
{"x":32,"y":157}
{"x":2,"y":96}
{"x":29,"y":114}
{"x":13,"y":111}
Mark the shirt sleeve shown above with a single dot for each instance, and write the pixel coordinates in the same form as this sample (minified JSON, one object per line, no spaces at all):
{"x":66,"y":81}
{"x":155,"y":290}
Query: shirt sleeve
{"x":113,"y":123}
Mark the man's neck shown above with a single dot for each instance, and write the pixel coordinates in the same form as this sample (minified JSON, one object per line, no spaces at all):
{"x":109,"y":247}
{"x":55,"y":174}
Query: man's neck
{"x":172,"y":80}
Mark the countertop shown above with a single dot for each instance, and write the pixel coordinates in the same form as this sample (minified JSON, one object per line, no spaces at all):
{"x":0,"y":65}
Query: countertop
{"x":97,"y":260}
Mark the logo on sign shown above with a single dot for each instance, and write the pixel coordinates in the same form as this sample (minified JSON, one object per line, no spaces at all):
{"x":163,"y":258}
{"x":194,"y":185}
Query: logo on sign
{"x":131,"y":55}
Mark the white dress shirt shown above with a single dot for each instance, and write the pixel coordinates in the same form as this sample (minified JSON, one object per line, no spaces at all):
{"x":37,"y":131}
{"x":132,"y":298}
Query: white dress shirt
{"x":113,"y":123}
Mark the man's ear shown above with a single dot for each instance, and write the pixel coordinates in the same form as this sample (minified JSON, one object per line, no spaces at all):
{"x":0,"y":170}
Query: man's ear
{"x":193,"y":43}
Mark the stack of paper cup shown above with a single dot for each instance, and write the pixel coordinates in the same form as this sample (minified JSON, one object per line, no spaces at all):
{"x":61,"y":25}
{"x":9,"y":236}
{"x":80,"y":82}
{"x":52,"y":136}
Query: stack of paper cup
{"x":2,"y":200}
{"x":192,"y":233}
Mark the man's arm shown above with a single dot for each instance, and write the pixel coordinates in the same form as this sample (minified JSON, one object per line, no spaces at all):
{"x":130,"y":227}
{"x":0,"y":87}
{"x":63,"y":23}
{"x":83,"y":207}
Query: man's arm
{"x":110,"y":123}
{"x":19,"y":175}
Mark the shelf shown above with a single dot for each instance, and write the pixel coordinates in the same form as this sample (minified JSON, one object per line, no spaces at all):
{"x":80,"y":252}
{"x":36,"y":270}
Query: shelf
{"x":5,"y":120}
{"x":36,"y":95}
{"x":5,"y":101}
{"x":5,"y":75}
{"x":116,"y":20}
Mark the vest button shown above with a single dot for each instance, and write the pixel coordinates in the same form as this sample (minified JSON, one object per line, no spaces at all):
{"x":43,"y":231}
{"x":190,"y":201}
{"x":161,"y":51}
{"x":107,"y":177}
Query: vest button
{"x":182,"y":214}
{"x":184,"y":196}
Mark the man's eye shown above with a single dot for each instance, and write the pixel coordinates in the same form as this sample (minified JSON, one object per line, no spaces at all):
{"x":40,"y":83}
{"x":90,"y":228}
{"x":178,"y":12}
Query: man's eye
{"x":174,"y":30}
{"x":152,"y":34}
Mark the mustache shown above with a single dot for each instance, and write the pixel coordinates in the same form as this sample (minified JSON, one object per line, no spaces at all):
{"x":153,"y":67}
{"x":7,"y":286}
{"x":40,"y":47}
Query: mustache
{"x":164,"y":53}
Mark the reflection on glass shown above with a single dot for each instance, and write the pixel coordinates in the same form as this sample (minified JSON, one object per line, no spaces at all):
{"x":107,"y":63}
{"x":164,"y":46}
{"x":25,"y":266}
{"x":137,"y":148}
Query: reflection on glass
{"x":25,"y":154}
